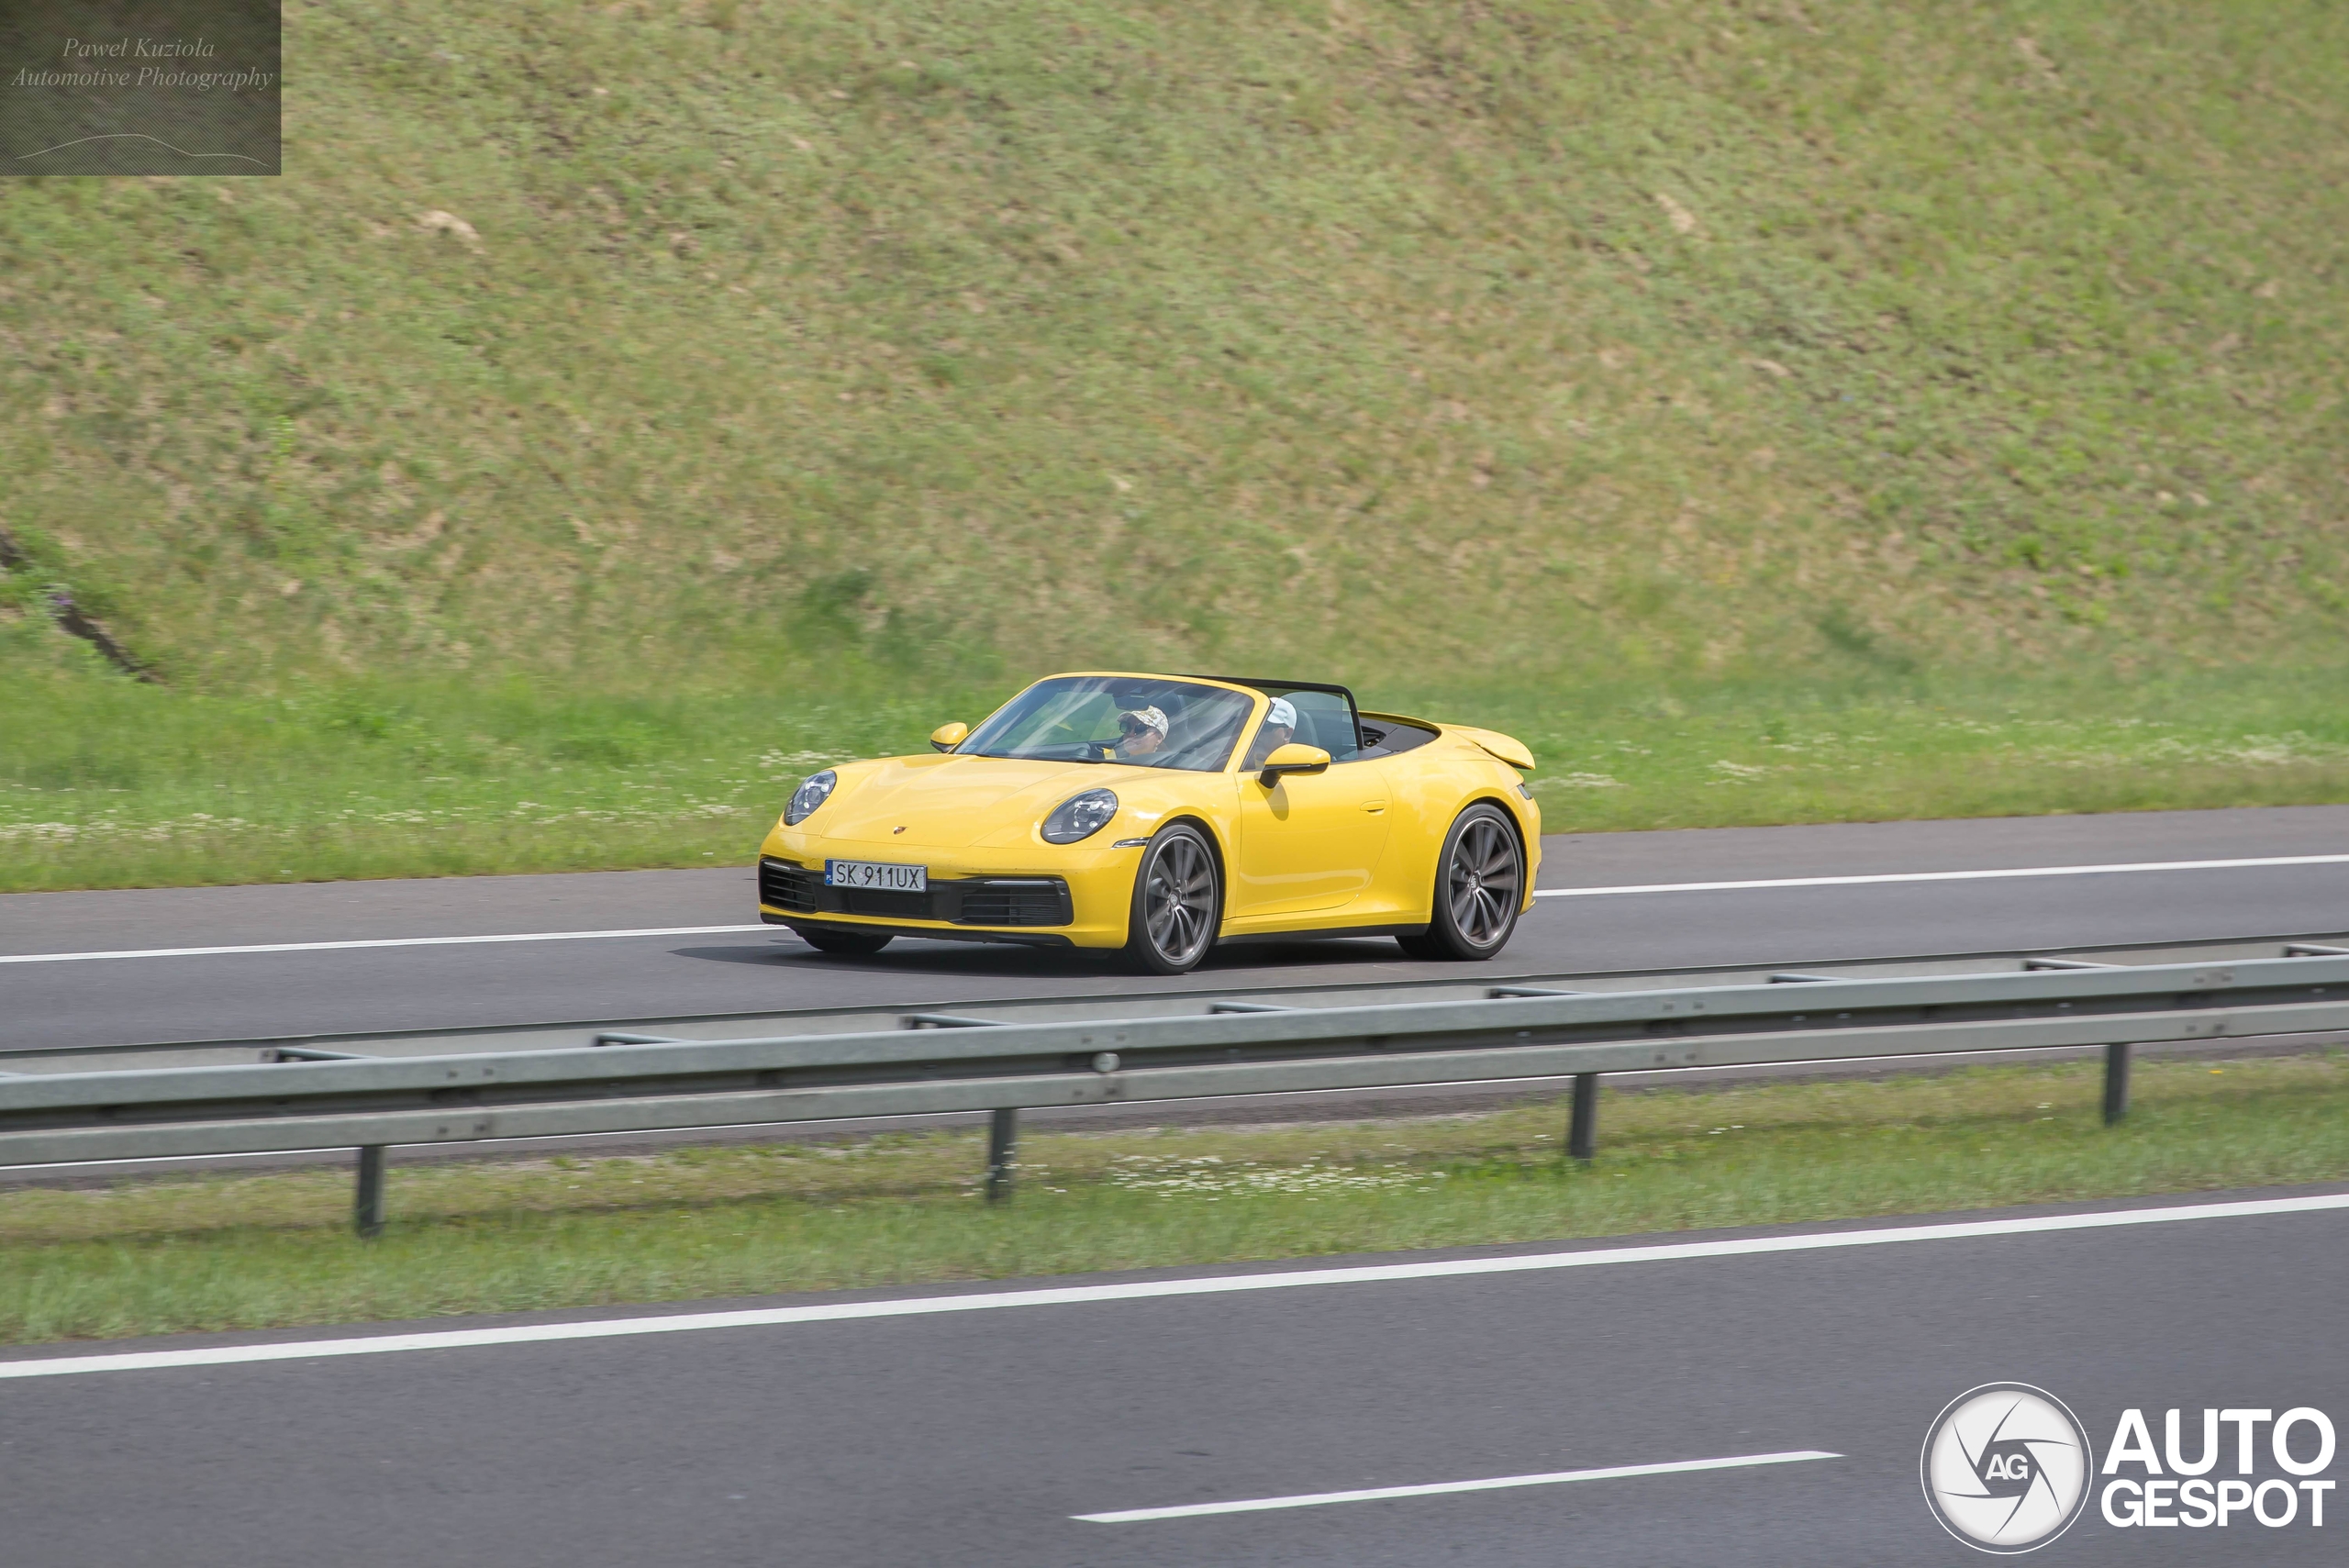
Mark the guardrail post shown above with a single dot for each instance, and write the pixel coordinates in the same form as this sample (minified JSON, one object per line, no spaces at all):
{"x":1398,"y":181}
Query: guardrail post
{"x":2116,"y":1084}
{"x":1582,"y":1127}
{"x":367,"y":1210}
{"x":1003,"y":1151}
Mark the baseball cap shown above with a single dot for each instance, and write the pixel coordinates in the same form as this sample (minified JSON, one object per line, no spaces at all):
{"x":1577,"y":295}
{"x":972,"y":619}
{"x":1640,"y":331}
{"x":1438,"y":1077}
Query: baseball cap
{"x":1148,"y":717}
{"x":1283,"y":713}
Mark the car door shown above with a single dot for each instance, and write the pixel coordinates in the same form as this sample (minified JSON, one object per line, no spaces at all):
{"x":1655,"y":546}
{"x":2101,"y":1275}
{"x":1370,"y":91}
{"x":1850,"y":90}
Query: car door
{"x":1308,"y":841}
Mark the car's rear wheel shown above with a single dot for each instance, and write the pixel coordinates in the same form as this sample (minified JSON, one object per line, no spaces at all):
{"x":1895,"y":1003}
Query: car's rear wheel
{"x":1479,"y":886}
{"x":1178,"y":903}
{"x":847,"y":944}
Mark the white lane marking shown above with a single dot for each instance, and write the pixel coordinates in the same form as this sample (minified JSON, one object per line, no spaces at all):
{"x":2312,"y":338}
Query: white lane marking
{"x":1941,"y":876}
{"x":1145,"y":1290}
{"x":378,"y":942}
{"x":1501,"y":1483}
{"x":1538,"y":892}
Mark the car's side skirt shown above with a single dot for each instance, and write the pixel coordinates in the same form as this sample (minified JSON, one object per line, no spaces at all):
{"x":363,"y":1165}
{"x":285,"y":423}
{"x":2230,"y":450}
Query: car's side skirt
{"x":1320,"y":933}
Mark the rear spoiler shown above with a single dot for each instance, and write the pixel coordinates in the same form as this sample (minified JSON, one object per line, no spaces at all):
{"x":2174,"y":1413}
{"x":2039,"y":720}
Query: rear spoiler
{"x":1507,"y":748}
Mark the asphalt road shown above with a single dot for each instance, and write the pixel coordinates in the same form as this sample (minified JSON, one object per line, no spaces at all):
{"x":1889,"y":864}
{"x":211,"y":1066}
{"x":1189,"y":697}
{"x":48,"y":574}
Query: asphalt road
{"x":984,"y":1436}
{"x":246,"y":995}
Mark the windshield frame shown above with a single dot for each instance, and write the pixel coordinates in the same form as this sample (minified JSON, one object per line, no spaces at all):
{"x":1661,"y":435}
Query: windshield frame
{"x":1213,"y":695}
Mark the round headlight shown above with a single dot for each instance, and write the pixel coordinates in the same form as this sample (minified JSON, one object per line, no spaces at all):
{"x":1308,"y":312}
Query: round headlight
{"x":1080,"y":816}
{"x":813,"y":790}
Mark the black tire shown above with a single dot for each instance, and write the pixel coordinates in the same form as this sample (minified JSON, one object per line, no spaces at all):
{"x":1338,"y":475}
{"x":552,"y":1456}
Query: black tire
{"x":1177,"y":903}
{"x":1479,"y":887}
{"x":846,"y":944}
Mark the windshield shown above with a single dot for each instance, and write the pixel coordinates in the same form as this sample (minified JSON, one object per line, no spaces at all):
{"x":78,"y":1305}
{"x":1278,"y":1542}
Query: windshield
{"x":1115,"y":718}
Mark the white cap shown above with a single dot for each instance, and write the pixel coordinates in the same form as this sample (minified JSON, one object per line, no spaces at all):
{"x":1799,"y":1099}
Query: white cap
{"x":1283,"y":713}
{"x":1150,"y":717}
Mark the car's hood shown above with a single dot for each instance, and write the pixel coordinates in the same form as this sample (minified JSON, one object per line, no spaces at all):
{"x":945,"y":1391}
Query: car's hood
{"x":951,"y":803}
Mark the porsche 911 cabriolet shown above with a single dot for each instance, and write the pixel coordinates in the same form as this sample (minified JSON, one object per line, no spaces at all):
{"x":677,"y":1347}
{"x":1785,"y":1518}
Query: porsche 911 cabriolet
{"x":1161,"y":815}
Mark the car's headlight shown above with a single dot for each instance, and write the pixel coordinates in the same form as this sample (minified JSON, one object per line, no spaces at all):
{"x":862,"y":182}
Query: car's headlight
{"x":1080,"y":816}
{"x":813,"y":790}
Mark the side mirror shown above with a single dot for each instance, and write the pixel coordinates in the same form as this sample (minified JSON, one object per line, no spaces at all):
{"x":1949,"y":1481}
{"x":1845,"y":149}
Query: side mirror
{"x":946,"y":736}
{"x":1293,"y":758}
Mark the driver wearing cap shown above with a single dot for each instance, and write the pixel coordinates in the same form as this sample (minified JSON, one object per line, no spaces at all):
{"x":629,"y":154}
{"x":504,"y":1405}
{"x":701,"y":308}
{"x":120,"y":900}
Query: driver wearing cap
{"x":1280,"y":723}
{"x":1140,"y":731}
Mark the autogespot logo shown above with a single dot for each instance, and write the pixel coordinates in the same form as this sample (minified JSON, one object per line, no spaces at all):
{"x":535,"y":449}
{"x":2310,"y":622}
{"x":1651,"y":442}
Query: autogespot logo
{"x":2005,"y":1467}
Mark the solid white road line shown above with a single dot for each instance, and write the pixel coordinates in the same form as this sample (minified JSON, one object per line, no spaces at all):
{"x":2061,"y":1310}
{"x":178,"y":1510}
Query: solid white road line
{"x":1538,"y":892}
{"x":378,"y":942}
{"x":1501,"y":1483}
{"x":1144,"y":1290}
{"x":1941,"y":876}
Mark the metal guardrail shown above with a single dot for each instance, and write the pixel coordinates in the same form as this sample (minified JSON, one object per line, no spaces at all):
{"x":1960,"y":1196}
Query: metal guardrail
{"x":1252,"y":990}
{"x":638,"y":1082}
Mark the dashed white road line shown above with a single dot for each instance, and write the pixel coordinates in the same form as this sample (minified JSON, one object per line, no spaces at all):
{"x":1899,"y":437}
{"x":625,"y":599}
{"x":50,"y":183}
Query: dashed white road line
{"x":1496,"y":1484}
{"x":1144,"y":1290}
{"x":1942,"y":876}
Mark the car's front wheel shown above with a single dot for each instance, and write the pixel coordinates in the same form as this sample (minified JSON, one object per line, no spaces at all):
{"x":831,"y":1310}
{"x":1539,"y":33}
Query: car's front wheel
{"x":846,"y":944}
{"x":1479,"y":886}
{"x":1178,"y":903}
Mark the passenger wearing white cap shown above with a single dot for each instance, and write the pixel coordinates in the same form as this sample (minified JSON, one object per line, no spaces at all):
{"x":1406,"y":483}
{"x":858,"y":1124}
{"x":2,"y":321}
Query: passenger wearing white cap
{"x":1140,"y":731}
{"x":1280,"y":723}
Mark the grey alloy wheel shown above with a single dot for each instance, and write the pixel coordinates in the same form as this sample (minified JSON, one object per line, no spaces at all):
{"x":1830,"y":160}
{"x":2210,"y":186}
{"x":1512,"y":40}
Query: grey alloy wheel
{"x":1479,"y":887}
{"x":1178,"y":899}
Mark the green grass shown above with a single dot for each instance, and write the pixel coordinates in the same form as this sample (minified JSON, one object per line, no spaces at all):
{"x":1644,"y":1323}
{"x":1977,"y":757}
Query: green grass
{"x":1923,"y":408}
{"x":114,"y":785}
{"x":705,"y":342}
{"x":107,"y":784}
{"x":241,"y":1253}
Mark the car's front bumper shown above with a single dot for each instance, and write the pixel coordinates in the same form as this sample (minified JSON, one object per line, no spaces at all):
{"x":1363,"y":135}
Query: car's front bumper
{"x":1080,"y":898}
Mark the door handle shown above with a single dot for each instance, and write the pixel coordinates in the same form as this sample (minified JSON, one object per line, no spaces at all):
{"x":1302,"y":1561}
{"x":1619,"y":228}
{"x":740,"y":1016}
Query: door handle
{"x":1374,"y":807}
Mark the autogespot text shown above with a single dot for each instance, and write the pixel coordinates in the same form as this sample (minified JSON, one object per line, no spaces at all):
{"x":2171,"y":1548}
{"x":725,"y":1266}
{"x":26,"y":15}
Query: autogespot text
{"x":2140,"y":1487}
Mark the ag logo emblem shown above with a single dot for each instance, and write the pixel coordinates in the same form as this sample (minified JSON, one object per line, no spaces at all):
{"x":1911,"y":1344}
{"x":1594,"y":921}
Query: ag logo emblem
{"x":2006,"y":1468}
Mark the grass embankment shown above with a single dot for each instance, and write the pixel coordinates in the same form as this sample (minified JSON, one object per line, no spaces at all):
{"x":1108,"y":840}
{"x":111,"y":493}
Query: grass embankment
{"x":241,"y":1253}
{"x":666,"y":340}
{"x":535,"y":477}
{"x":119,"y":786}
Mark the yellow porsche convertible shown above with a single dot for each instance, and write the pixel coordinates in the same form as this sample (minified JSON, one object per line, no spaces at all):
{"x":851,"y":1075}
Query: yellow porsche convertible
{"x":1162,"y":814}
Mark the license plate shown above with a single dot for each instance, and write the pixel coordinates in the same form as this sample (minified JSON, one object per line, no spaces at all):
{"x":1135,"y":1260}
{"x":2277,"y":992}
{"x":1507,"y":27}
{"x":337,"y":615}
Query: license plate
{"x":874,"y":873}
